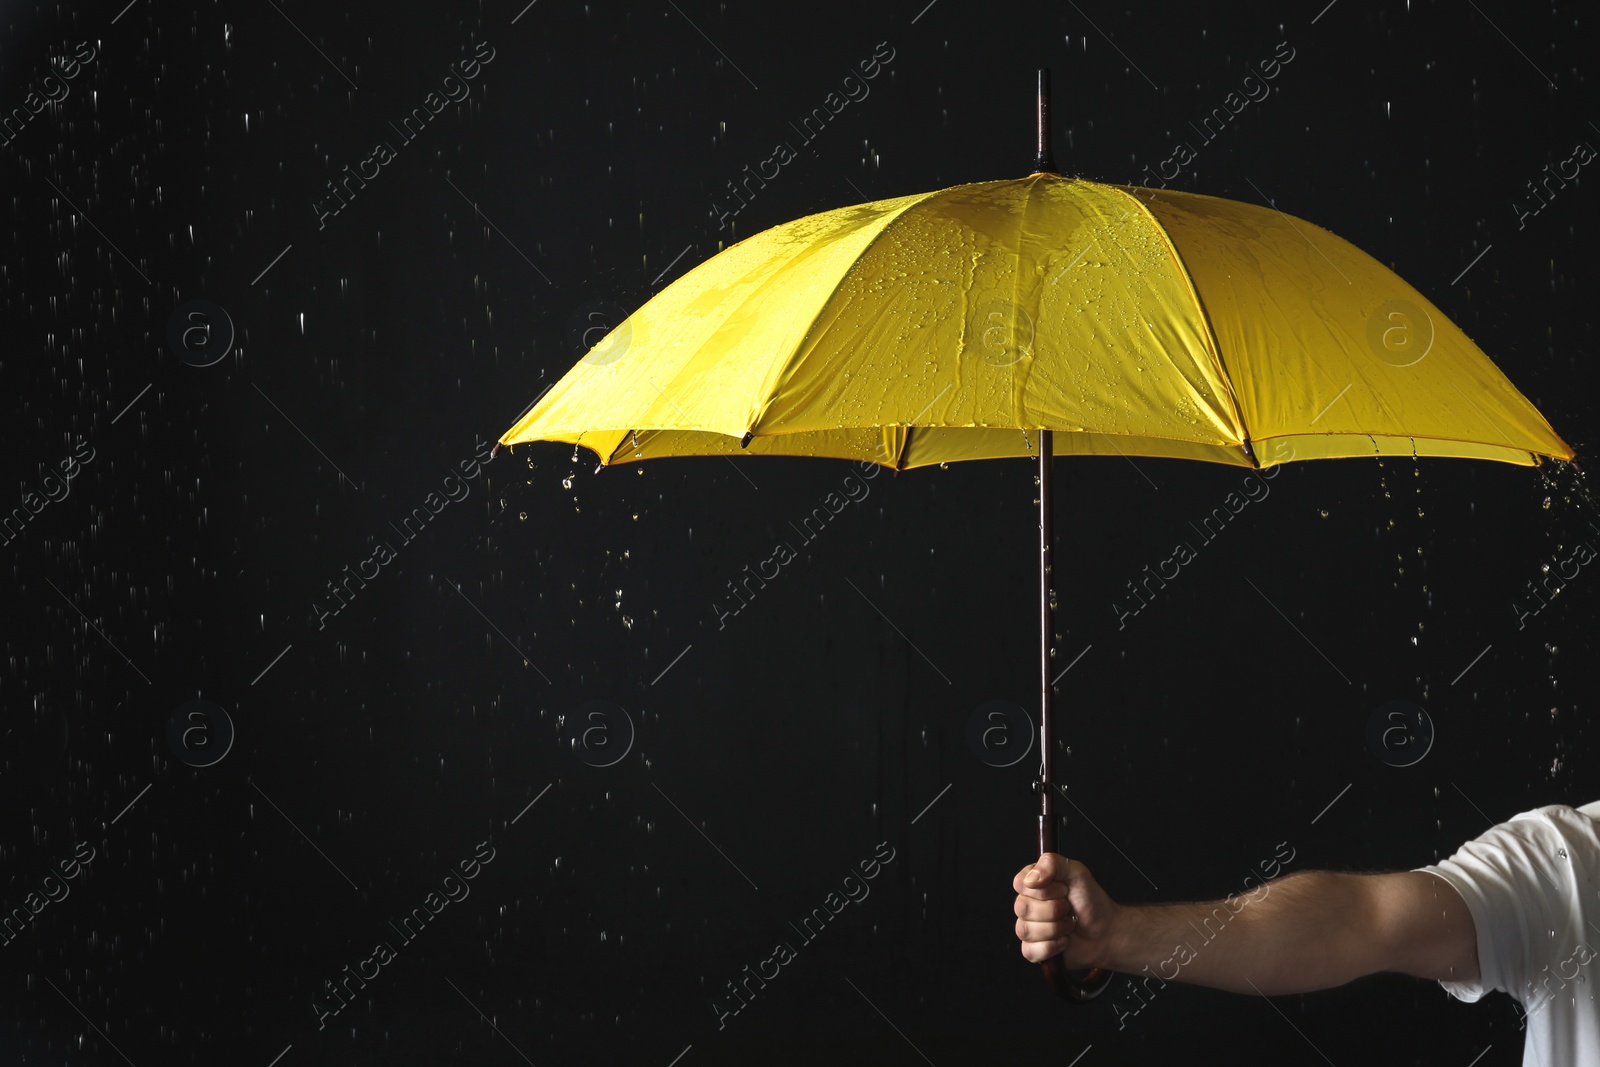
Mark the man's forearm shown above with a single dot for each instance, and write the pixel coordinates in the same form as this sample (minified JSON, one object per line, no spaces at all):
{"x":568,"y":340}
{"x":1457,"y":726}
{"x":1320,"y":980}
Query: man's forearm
{"x":1293,"y":935}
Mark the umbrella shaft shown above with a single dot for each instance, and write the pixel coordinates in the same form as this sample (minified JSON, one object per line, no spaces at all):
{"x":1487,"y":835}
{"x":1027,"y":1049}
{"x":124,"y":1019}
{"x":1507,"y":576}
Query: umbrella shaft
{"x":1042,"y":160}
{"x":1047,"y":822}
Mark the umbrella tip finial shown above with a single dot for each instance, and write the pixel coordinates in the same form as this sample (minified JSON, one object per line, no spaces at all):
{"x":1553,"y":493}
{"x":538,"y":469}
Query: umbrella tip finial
{"x":1043,"y":162}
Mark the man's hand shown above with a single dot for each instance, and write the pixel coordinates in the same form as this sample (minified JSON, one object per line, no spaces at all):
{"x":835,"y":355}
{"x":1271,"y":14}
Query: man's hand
{"x":1061,"y":909}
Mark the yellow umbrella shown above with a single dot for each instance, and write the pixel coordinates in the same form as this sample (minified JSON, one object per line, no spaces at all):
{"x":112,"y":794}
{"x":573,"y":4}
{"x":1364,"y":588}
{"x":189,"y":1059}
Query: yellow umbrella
{"x":957,"y":324}
{"x":1039,"y":317}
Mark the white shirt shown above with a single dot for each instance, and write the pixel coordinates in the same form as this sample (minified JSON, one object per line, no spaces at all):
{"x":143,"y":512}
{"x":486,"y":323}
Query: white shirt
{"x":1532,"y":886}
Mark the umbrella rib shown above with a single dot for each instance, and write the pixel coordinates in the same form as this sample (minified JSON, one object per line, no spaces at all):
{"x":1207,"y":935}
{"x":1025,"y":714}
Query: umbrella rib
{"x":802,"y":346}
{"x":905,"y":444}
{"x":1214,"y":349}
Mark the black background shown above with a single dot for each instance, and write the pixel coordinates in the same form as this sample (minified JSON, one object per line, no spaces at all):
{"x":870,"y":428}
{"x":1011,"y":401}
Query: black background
{"x":380,"y":349}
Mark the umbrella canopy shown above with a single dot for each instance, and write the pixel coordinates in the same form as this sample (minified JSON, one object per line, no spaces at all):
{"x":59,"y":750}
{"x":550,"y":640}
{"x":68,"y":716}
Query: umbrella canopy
{"x":953,"y":325}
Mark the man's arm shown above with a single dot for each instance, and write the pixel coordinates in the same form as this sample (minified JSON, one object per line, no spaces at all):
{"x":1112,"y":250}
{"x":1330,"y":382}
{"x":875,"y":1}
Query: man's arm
{"x":1311,"y":930}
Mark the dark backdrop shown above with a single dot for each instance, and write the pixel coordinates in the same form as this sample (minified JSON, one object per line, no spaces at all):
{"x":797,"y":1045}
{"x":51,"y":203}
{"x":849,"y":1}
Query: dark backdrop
{"x":549,"y":638}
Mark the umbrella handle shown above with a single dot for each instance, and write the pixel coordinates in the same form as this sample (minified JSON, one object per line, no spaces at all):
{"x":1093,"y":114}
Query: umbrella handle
{"x":1073,"y":990}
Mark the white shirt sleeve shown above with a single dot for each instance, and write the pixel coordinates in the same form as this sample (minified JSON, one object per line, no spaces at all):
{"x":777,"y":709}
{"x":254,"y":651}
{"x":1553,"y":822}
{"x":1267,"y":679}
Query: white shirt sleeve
{"x":1532,"y":886}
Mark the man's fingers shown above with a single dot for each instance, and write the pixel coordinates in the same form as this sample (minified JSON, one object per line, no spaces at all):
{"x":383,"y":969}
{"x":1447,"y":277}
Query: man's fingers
{"x":1039,"y":951}
{"x":1035,"y":874}
{"x":1042,"y":880}
{"x":1032,"y":931}
{"x":1046,"y":928}
{"x":1049,"y":891}
{"x":1055,"y":909}
{"x":1048,"y":868}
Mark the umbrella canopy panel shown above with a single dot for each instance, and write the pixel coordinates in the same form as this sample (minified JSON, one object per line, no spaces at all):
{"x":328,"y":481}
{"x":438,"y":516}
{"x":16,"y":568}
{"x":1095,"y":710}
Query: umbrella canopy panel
{"x":1325,"y":346}
{"x":955,"y":325}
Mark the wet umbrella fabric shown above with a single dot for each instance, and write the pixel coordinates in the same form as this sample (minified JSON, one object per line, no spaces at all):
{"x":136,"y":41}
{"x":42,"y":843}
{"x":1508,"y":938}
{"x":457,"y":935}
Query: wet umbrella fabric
{"x":954,"y":325}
